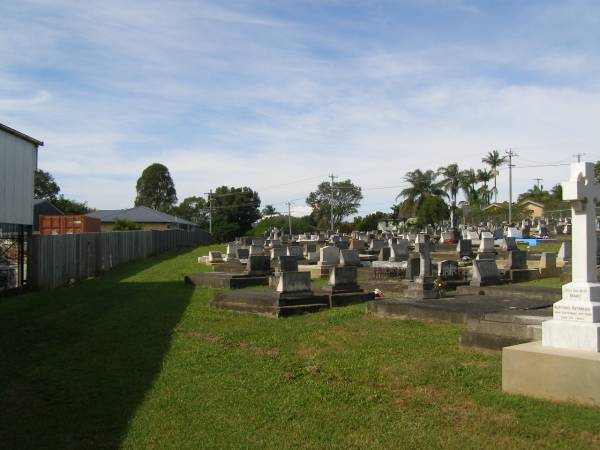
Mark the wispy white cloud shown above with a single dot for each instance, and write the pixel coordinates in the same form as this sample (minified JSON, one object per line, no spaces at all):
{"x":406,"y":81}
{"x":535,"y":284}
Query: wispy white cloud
{"x":255,"y":94}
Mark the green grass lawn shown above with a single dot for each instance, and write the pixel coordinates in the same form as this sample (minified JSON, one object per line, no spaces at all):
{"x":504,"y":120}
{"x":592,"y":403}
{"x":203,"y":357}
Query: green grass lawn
{"x":553,"y":282}
{"x":136,"y":359}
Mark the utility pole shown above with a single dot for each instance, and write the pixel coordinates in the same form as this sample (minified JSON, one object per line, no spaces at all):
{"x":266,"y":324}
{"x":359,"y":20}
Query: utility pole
{"x":578,"y":156}
{"x":209,"y":194}
{"x":510,"y":154}
{"x":538,"y":181}
{"x":331,"y":200}
{"x":290,"y":217}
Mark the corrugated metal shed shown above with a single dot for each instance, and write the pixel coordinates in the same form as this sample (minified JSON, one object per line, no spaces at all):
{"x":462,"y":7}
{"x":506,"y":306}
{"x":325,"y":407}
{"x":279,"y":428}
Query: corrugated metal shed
{"x":18,"y":162}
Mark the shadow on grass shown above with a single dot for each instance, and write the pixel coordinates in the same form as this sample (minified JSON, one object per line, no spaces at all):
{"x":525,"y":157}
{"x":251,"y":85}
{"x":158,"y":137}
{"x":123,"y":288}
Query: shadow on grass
{"x":76,"y":363}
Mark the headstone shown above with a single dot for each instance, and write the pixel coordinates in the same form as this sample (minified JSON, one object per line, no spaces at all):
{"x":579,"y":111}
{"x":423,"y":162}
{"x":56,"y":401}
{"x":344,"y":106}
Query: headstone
{"x":513,"y":233}
{"x":215,"y":257}
{"x":413,"y":267}
{"x":509,"y":243}
{"x":287,"y":264}
{"x":358,"y":245}
{"x":376,"y":245}
{"x":576,"y":319}
{"x":486,"y":248}
{"x":384,"y":254}
{"x":243,"y":253}
{"x":296,"y":251}
{"x":349,"y":258}
{"x":294,"y":283}
{"x":548,"y":265}
{"x":329,"y":256}
{"x":564,"y":254}
{"x":232,"y":249}
{"x":464,"y":248}
{"x":448,"y":270}
{"x":257,"y":250}
{"x":517,"y":260}
{"x":277,"y":252}
{"x":343,"y":279}
{"x":399,"y":251}
{"x":485,"y":273}
{"x":258,"y":266}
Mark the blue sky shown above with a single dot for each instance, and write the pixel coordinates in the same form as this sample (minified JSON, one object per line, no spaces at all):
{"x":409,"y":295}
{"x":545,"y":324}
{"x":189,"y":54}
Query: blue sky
{"x":277,"y":94}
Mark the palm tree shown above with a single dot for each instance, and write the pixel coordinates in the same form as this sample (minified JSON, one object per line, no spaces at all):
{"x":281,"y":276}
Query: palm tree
{"x":451,"y":184}
{"x":422,"y":185}
{"x":485,"y":194}
{"x":494,"y":160}
{"x":467,"y":181}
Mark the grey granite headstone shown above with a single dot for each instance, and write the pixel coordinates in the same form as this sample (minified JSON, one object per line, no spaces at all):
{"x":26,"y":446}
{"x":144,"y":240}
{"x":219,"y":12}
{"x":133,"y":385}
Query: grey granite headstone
{"x":485,"y":273}
{"x":258,"y":266}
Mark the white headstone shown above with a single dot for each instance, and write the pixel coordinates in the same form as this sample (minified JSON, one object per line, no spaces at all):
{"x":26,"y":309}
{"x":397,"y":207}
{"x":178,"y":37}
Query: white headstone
{"x":576,"y":321}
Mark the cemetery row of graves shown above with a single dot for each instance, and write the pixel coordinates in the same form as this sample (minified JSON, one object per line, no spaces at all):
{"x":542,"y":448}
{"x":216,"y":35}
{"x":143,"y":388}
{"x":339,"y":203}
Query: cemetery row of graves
{"x":466,"y":275}
{"x":392,"y":272}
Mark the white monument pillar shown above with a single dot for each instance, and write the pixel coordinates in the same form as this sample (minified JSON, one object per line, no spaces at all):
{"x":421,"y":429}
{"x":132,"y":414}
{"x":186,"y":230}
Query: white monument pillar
{"x":576,"y":321}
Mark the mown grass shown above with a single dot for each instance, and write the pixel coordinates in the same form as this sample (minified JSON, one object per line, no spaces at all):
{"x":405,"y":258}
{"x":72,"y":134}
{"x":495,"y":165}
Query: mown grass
{"x":553,"y":282}
{"x":136,"y":359}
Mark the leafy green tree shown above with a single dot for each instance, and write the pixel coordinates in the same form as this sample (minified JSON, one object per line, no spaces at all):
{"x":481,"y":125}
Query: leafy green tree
{"x":155,"y":189}
{"x":432,"y":211}
{"x":597,"y":171}
{"x":45,"y":187}
{"x":234,"y":210}
{"x":451,"y":184}
{"x":269,"y":210}
{"x":194,"y":209}
{"x":71,"y":207}
{"x":556,"y":192}
{"x":495,"y":161}
{"x":536,"y":193}
{"x":369,"y":222}
{"x":125,"y":225}
{"x":346,"y":200}
{"x":422,"y":185}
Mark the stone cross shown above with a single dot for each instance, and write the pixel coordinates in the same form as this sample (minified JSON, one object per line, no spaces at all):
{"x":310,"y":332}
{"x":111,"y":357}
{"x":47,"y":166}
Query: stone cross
{"x":583,"y":192}
{"x":576,"y":317}
{"x":423,"y":247}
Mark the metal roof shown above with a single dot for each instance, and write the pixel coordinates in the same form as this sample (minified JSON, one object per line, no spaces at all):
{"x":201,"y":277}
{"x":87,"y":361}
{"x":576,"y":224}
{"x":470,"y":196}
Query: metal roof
{"x":139,"y":214}
{"x":21,"y":135}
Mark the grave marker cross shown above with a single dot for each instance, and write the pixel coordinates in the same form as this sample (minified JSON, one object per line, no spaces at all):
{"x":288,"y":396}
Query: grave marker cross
{"x":583,"y":192}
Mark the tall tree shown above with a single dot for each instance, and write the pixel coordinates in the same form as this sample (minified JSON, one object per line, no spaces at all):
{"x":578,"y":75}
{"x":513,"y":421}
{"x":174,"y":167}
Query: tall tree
{"x":346,"y":200}
{"x":422,"y":185}
{"x":536,"y":193}
{"x":69,"y":206}
{"x":494,"y":160}
{"x":468,"y":184}
{"x":233,"y":210}
{"x":155,"y":188}
{"x":269,"y":210}
{"x":369,"y":222}
{"x":45,"y":187}
{"x":450,"y":182}
{"x":484,"y":193}
{"x":194,"y":209}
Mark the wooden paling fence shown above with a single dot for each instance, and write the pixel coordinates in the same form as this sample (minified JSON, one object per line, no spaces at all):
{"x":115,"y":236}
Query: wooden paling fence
{"x":56,"y":260}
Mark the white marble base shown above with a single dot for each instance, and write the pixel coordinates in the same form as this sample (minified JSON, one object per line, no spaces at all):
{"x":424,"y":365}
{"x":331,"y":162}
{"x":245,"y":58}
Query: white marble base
{"x":581,"y":291}
{"x":576,"y":311}
{"x":571,"y":335}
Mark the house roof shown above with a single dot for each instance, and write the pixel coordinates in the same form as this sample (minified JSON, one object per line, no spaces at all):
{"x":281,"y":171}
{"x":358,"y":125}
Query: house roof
{"x":533,"y":202}
{"x":20,"y":135}
{"x":139,"y":214}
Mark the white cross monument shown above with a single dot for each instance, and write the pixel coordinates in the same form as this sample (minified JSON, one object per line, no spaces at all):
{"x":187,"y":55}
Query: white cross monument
{"x":576,"y":321}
